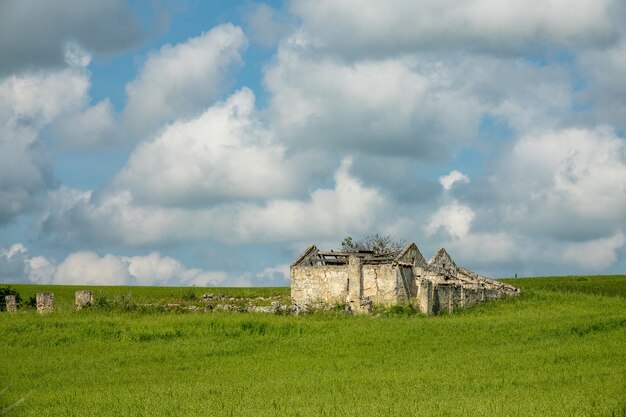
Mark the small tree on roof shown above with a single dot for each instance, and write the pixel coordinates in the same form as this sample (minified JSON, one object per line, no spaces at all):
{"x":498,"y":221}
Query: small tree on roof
{"x":377,"y":243}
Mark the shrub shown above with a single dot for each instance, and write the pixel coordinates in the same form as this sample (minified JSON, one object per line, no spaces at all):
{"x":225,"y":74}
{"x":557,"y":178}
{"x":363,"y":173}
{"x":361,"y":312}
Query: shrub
{"x":4,"y":291}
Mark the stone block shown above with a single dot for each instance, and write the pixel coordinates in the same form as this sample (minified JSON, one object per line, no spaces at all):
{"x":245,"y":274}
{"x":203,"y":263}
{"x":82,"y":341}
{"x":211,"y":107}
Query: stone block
{"x":83,"y":298}
{"x":10,"y":303}
{"x":45,"y":302}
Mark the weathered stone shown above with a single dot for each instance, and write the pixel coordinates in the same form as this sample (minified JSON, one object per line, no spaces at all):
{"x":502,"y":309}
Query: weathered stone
{"x":363,"y":278}
{"x":10,"y":303}
{"x":45,"y":302}
{"x":83,"y":299}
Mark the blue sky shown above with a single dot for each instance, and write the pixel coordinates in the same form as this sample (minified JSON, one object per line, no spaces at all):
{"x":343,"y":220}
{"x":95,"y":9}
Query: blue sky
{"x":208,"y":143}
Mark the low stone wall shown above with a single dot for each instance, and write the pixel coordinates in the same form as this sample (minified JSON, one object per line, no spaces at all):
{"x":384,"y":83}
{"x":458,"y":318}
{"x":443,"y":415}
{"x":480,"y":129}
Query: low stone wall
{"x":447,"y":297}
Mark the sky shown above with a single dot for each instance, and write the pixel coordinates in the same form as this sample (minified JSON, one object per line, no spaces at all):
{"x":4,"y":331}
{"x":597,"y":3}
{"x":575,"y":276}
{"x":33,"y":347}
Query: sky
{"x":208,"y":143}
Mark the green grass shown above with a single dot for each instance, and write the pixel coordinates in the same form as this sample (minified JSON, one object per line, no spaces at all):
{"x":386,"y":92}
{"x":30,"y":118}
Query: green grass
{"x":559,"y":350}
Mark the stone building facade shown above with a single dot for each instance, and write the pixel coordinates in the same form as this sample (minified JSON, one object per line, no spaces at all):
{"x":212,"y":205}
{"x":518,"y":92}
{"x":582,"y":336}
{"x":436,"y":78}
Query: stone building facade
{"x":361,"y":279}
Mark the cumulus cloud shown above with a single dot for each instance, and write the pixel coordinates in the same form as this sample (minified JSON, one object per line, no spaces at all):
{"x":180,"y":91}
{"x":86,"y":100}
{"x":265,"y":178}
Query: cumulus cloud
{"x":267,"y":25}
{"x":33,"y":32}
{"x":90,"y":127}
{"x":31,"y":102}
{"x":605,"y":86}
{"x":117,"y":217}
{"x":548,"y":182}
{"x":349,"y":206}
{"x":554,"y":198}
{"x":88,"y":268}
{"x":447,"y":181}
{"x":357,"y":27}
{"x":12,"y":262}
{"x":225,"y":153}
{"x":180,"y":80}
{"x":395,"y":106}
{"x":454,"y":218}
{"x":27,"y":104}
{"x":595,"y":254}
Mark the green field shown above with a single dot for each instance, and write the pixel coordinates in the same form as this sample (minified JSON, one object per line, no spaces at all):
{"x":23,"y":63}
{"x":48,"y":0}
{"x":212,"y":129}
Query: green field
{"x":559,"y":350}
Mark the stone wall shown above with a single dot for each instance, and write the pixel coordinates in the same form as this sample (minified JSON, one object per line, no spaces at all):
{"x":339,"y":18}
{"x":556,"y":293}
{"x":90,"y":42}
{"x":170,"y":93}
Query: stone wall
{"x":379,"y":283}
{"x":323,"y":284}
{"x":357,"y":284}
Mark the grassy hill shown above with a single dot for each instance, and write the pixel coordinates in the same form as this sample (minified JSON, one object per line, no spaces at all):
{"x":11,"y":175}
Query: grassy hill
{"x":558,"y":350}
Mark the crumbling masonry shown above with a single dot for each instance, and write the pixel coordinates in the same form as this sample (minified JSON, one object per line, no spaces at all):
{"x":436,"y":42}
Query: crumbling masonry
{"x":361,"y":279}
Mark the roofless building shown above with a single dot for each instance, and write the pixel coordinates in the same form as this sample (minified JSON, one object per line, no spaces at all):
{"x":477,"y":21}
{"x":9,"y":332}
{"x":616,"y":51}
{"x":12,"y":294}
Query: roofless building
{"x":361,"y":279}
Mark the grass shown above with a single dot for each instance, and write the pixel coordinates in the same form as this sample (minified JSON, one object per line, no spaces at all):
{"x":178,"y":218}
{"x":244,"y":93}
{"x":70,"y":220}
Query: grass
{"x":559,"y":350}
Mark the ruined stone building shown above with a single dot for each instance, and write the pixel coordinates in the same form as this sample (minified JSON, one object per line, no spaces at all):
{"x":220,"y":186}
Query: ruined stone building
{"x":363,"y":278}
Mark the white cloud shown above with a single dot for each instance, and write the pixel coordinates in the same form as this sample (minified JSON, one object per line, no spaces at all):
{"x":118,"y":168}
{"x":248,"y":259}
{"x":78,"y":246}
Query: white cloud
{"x":91,"y":127}
{"x":225,"y":153}
{"x":180,"y":80}
{"x":595,"y":254}
{"x":489,"y":248}
{"x":397,"y":106}
{"x":117,"y":217}
{"x":548,"y":182}
{"x":354,"y":26}
{"x":154,"y":269}
{"x":447,"y":181}
{"x":350,"y":207}
{"x":88,"y":268}
{"x":454,"y":218}
{"x":28,"y":103}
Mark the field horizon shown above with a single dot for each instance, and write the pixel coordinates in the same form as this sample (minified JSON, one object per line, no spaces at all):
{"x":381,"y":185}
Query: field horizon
{"x":556,"y":350}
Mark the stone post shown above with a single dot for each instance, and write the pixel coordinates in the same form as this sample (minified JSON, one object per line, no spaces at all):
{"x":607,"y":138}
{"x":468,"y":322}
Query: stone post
{"x":83,"y":298}
{"x":45,"y":302}
{"x":10,"y":303}
{"x":355,"y":281}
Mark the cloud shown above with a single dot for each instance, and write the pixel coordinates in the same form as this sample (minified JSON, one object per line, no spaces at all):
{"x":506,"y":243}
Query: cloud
{"x":596,"y":254}
{"x":376,"y":28}
{"x":154,"y":269}
{"x":396,"y":106}
{"x":33,"y":32}
{"x":548,"y":182}
{"x":447,"y":181}
{"x":604,"y":86}
{"x":554,"y":201}
{"x":454,"y":218}
{"x":224,"y":154}
{"x":28,"y":103}
{"x":12,"y":263}
{"x":88,"y":268}
{"x":267,"y":25}
{"x":115,"y":216}
{"x":180,"y":80}
{"x":349,"y":207}
{"x":32,"y":102}
{"x":90,"y":127}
